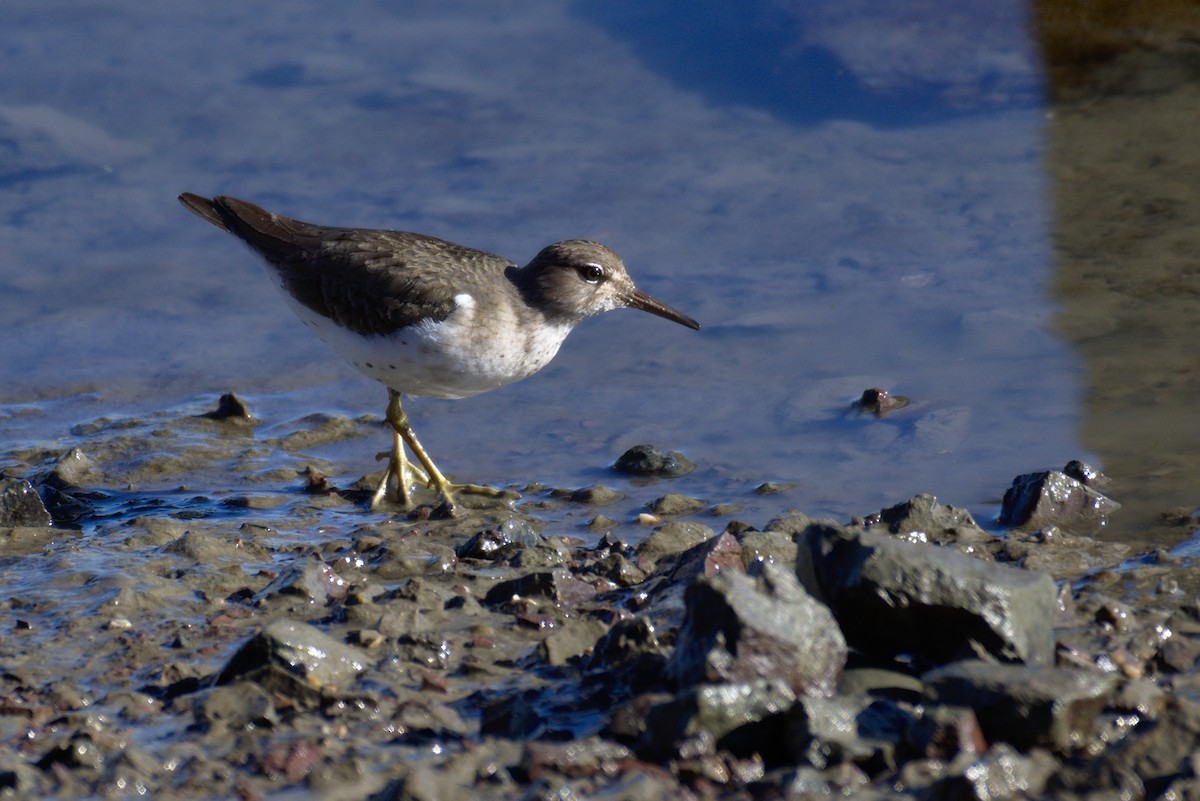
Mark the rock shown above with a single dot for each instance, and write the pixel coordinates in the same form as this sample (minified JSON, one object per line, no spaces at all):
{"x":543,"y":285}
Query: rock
{"x":676,"y":504}
{"x":1052,"y":498}
{"x":309,"y":579}
{"x":768,"y":546}
{"x":575,"y":637}
{"x":999,"y":774}
{"x":824,"y":732}
{"x":739,"y":628}
{"x":20,"y":505}
{"x":627,"y":641}
{"x":945,"y":732}
{"x":1025,"y":705}
{"x":595,"y":495}
{"x":236,"y":707}
{"x":923,"y":515}
{"x":672,"y":538}
{"x":647,"y":460}
{"x":556,"y":585}
{"x":515,"y":716}
{"x":579,"y":758}
{"x":499,"y":543}
{"x":229,"y":407}
{"x":744,"y":717}
{"x":74,"y":469}
{"x":894,"y":597}
{"x":301,"y":650}
{"x":19,"y":778}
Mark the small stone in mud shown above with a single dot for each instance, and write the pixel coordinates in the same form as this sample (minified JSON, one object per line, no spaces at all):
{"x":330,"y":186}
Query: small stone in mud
{"x":300,"y":649}
{"x":647,"y":460}
{"x":20,"y":505}
{"x":1085,"y":474}
{"x":676,"y":504}
{"x":73,"y":469}
{"x":229,"y":407}
{"x":595,"y":495}
{"x":879,"y":402}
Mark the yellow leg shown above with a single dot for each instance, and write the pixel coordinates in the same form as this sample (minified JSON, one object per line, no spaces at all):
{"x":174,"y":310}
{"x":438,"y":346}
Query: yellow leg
{"x":398,"y":465}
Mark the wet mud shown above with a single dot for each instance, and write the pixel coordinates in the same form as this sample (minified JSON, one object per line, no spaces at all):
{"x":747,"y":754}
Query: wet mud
{"x":194,"y":608}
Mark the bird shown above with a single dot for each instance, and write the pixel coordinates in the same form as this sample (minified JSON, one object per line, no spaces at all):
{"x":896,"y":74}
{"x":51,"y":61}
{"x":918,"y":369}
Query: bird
{"x":427,"y":317}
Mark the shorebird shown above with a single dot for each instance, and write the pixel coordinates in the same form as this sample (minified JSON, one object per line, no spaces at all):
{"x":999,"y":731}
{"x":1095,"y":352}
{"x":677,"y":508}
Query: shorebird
{"x":427,"y":317}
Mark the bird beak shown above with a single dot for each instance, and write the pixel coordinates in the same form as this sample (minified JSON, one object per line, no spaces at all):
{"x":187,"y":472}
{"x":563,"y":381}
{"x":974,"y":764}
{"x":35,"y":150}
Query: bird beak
{"x":640,"y":300}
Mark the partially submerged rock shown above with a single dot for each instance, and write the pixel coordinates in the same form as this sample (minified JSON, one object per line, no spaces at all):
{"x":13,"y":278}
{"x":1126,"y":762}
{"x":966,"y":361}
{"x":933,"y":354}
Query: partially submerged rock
{"x":1054,"y":498}
{"x":647,"y":460}
{"x":301,"y":650}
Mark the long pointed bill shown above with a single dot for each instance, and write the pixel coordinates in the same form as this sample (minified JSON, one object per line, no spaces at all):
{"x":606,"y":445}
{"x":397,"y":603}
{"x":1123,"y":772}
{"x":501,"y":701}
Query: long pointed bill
{"x":640,"y":300}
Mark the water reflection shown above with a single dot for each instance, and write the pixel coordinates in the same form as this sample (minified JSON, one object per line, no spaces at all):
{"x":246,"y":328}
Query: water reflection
{"x":848,"y":195}
{"x":1125,"y":167}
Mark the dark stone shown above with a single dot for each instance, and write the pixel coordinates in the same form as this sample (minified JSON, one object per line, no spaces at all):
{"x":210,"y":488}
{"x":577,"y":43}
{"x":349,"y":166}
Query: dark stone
{"x":743,"y":717}
{"x":923,"y":515}
{"x":945,"y":732}
{"x":893,"y":597}
{"x":515,"y":716}
{"x":1001,"y":773}
{"x":647,"y":460}
{"x":299,"y":649}
{"x":229,"y":407}
{"x":1052,"y":498}
{"x":738,"y":628}
{"x":20,"y":505}
{"x":1025,"y":705}
{"x":309,"y":579}
{"x":236,"y":707}
{"x":824,"y":732}
{"x":556,"y":585}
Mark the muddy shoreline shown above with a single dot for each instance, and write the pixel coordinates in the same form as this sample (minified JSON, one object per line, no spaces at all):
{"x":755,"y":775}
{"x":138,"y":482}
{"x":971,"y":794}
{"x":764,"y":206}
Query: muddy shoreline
{"x":276,"y":639}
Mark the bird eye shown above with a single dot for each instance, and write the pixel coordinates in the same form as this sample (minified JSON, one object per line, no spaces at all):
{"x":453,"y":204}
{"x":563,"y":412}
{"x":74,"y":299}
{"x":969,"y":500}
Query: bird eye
{"x":592,"y":273}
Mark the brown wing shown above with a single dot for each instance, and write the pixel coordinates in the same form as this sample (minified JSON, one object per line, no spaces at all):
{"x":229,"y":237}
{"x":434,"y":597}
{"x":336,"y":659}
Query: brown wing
{"x":371,"y":282}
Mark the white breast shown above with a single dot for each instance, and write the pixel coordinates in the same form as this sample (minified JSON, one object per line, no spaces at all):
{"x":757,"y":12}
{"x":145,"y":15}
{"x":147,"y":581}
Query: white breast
{"x":457,"y":357}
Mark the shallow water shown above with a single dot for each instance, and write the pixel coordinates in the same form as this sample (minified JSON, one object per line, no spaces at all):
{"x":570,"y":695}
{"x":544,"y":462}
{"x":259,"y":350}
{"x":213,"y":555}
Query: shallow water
{"x":842,"y":201}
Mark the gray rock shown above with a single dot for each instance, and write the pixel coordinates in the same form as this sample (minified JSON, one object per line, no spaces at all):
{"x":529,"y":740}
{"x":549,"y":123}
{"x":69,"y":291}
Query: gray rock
{"x":20,"y":505}
{"x":309,"y":579}
{"x":893,"y":597}
{"x":743,"y":717}
{"x":236,"y":707}
{"x":824,"y":732}
{"x":301,"y":650}
{"x":1025,"y":705}
{"x":739,"y":628}
{"x":999,"y":774}
{"x":934,"y":522}
{"x":672,"y":538}
{"x":1052,"y":498}
{"x":676,"y":504}
{"x":647,"y":460}
{"x":556,"y":585}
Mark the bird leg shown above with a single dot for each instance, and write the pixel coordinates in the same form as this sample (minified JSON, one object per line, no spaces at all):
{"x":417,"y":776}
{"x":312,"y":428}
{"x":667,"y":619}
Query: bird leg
{"x":399,"y":466}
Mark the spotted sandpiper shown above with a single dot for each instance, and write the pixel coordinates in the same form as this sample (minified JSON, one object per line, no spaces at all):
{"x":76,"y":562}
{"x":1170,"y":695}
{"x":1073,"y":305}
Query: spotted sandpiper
{"x":428,"y":317}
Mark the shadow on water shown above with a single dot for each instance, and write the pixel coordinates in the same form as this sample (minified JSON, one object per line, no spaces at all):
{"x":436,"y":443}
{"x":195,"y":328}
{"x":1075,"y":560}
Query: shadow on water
{"x":764,"y":55}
